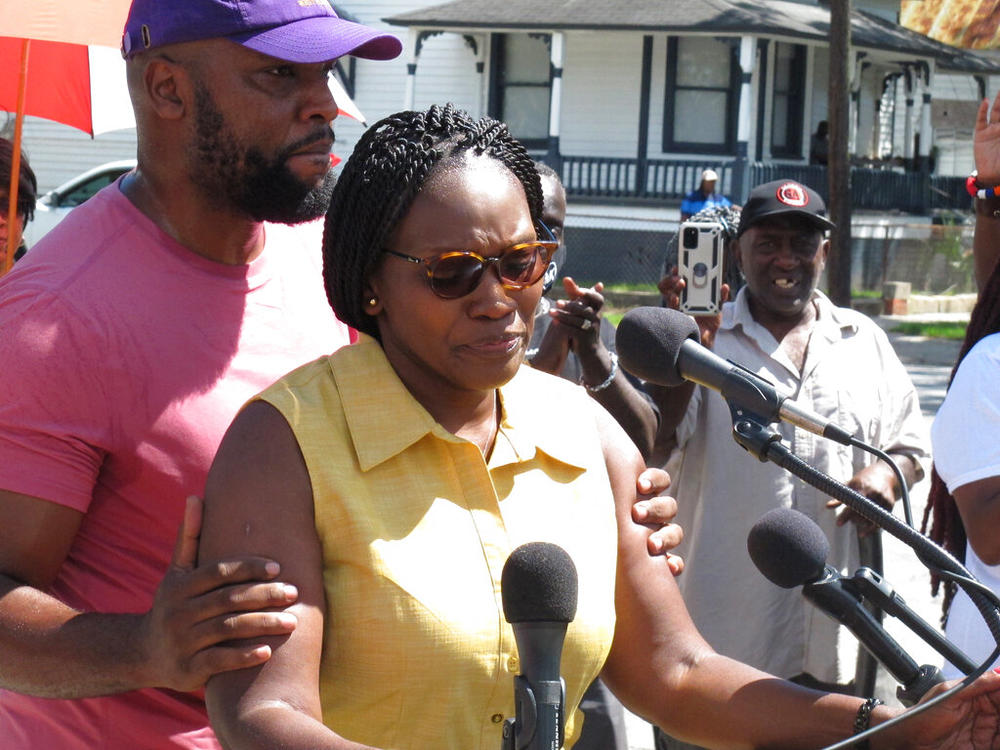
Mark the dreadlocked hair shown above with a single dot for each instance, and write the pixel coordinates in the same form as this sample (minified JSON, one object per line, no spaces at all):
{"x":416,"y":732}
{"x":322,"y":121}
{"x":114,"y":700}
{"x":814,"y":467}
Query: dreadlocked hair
{"x":946,"y":527}
{"x":389,"y":166}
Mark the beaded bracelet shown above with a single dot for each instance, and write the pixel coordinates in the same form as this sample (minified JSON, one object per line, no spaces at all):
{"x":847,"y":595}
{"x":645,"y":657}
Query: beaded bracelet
{"x":864,"y":719}
{"x":611,"y":376}
{"x":972,"y":187}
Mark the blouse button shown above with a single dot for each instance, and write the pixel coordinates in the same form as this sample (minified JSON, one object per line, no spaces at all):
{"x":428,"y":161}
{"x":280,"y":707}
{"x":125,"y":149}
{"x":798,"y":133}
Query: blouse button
{"x":496,"y":718}
{"x":512,"y":664}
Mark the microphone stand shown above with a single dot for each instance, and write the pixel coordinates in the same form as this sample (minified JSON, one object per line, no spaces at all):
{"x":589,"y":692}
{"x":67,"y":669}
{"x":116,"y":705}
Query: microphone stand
{"x":752,"y":433}
{"x":874,"y":588}
{"x":838,"y":598}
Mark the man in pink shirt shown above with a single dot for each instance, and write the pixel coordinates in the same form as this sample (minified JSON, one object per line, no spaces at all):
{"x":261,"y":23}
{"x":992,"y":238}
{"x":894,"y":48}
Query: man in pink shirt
{"x":131,"y":335}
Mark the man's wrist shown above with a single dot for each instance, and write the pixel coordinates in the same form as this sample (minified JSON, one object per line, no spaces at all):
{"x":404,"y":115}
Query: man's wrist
{"x":595,"y":386}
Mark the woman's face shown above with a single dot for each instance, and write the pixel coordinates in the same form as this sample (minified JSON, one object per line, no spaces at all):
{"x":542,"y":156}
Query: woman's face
{"x":7,"y":227}
{"x":451,"y":348}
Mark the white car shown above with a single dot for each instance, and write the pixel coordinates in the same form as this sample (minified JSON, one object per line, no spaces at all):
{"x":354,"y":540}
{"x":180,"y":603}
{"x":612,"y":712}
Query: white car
{"x":52,"y":207}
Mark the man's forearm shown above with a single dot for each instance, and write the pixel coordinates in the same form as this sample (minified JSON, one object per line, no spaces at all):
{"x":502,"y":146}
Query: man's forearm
{"x":673,"y":404}
{"x":50,"y":650}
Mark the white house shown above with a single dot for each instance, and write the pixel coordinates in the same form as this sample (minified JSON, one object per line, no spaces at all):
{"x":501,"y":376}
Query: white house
{"x":632,"y":98}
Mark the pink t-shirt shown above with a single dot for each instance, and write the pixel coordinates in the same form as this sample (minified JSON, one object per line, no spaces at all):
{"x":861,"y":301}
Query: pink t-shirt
{"x":124,"y":357}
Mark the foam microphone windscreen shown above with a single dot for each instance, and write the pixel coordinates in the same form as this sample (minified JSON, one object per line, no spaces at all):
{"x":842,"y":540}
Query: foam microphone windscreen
{"x":648,"y":341}
{"x":539,"y":584}
{"x":788,"y":547}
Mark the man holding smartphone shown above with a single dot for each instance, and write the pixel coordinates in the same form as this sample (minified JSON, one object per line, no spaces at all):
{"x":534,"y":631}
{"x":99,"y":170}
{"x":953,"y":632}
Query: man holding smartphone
{"x":833,"y":361}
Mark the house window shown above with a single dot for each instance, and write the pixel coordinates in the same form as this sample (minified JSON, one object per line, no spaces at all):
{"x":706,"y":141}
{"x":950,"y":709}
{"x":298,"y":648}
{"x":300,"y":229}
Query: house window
{"x":788,"y":99}
{"x":520,"y":86}
{"x":701,"y":95}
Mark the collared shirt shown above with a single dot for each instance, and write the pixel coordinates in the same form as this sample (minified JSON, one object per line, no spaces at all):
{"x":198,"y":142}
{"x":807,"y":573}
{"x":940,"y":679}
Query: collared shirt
{"x":851,"y":376}
{"x":416,"y":526}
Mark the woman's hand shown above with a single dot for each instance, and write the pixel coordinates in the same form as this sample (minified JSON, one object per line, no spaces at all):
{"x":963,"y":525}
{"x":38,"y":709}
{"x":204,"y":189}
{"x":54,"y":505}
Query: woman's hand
{"x":969,"y":719}
{"x":986,"y":142}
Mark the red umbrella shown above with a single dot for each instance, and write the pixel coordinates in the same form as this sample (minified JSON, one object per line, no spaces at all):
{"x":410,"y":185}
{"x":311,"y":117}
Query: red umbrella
{"x":52,"y":50}
{"x":74,"y":84}
{"x":56,"y":31}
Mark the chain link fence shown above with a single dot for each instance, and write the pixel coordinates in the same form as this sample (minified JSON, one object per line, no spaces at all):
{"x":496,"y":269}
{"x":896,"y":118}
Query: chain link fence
{"x":628,"y":254}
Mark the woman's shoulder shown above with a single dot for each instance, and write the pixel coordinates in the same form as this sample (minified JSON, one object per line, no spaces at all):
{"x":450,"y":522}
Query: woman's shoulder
{"x":545,"y":387}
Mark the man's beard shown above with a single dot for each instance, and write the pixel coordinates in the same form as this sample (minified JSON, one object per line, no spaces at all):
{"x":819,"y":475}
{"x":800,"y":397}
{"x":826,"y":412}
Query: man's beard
{"x":242,"y":178}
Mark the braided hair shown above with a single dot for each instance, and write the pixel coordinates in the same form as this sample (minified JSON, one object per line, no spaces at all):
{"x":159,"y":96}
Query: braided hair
{"x":27,"y":185}
{"x":946,"y":527}
{"x":389,"y":166}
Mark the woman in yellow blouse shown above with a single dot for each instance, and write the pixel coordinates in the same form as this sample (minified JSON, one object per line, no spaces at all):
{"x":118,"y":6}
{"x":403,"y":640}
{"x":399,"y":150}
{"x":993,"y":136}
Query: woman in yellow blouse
{"x":392,"y":479}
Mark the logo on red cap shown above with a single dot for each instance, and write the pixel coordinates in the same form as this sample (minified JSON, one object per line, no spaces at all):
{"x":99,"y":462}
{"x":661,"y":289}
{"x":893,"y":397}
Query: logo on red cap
{"x":792,"y":194}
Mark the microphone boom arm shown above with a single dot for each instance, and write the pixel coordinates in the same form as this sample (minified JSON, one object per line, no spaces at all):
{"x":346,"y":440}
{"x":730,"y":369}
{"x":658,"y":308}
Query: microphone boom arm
{"x":751,"y":432}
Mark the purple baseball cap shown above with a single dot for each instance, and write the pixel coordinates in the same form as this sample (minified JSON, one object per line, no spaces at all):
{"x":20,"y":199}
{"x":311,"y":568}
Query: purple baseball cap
{"x":300,"y":31}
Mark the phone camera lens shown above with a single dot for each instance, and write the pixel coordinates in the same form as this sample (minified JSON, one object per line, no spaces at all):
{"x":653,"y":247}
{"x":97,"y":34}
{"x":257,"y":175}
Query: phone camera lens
{"x":690,"y":237}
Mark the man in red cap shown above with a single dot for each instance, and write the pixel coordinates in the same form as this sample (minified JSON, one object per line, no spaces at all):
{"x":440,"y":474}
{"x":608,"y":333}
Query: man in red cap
{"x":832,"y":361}
{"x":132,"y":335}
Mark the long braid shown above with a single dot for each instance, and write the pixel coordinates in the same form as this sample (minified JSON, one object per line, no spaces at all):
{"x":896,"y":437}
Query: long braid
{"x":390,"y":164}
{"x":946,"y":527}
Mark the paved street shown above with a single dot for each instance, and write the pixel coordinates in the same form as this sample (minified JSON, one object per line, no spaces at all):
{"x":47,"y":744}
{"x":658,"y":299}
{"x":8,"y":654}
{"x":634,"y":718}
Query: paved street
{"x":929,"y":362}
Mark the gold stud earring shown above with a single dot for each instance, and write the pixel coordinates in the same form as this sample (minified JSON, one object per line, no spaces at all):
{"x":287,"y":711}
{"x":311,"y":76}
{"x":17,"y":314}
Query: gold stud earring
{"x":372,"y":301}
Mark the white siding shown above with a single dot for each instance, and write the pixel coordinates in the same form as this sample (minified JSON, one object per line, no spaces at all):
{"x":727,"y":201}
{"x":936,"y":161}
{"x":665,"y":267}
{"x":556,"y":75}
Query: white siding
{"x":601,"y":91}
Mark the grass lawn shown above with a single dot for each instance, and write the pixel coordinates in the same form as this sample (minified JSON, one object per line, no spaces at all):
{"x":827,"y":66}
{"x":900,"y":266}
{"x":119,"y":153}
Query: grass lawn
{"x":955,"y":331}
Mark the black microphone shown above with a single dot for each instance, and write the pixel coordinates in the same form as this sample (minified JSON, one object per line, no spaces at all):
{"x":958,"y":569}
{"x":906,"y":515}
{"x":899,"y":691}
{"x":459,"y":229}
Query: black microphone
{"x":538,"y":587}
{"x":662,"y":346}
{"x":791,"y":550}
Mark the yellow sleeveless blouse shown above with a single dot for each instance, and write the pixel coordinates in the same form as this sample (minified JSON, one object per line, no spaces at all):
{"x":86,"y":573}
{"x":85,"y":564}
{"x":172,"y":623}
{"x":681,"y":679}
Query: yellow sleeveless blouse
{"x":415,"y":528}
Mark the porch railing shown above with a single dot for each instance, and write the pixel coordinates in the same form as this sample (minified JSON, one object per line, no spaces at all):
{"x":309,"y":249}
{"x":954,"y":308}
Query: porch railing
{"x":671,"y":179}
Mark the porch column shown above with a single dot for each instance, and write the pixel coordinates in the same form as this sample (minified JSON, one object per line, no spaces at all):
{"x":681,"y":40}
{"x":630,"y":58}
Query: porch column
{"x":556,"y":55}
{"x":854,"y":112}
{"x":744,"y":125}
{"x":412,"y":51}
{"x":481,"y":53}
{"x":926,"y":129}
{"x":908,"y":119}
{"x":642,"y":139}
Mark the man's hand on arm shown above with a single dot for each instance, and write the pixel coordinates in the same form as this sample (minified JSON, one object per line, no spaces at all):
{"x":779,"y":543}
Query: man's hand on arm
{"x":51,"y":650}
{"x":198,"y":609}
{"x":656,"y":511}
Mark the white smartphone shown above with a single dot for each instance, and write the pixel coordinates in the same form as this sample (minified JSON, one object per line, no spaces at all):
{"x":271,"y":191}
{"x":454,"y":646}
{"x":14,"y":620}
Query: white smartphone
{"x":699,"y":263}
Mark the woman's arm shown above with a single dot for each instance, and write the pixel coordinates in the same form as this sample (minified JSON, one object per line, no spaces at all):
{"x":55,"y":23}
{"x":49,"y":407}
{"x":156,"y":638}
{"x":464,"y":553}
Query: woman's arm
{"x":259,"y":497}
{"x":662,"y":669}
